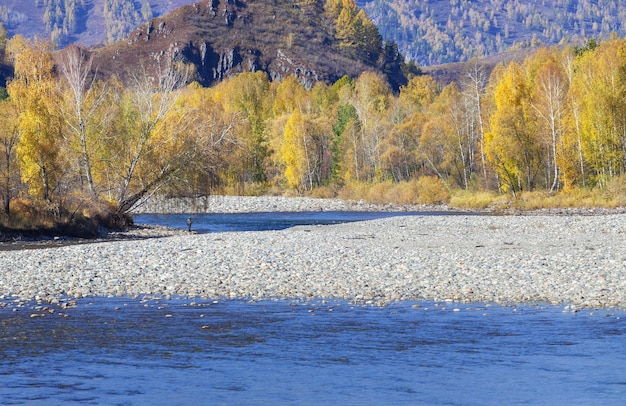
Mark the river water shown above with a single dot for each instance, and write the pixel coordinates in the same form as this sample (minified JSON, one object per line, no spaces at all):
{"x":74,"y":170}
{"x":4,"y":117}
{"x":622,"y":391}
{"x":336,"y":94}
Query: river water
{"x":286,"y":352}
{"x":219,"y":222}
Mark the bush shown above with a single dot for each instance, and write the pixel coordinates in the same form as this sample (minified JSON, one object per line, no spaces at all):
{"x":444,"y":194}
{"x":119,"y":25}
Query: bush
{"x":354,"y":190}
{"x":403,"y":193}
{"x":432,"y":190}
{"x":615,"y":190}
{"x":323,"y":192}
{"x":377,"y":193}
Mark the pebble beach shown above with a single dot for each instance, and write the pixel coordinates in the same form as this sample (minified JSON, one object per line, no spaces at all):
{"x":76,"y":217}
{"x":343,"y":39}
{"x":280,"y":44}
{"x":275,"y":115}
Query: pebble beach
{"x":578,"y":261}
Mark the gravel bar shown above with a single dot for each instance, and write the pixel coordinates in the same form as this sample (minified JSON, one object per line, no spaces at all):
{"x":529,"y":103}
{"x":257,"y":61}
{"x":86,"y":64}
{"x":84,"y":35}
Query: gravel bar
{"x":577,"y":261}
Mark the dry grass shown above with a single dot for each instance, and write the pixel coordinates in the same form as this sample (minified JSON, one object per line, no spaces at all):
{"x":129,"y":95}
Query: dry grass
{"x":463,"y":199}
{"x":575,"y":198}
{"x":426,"y":190}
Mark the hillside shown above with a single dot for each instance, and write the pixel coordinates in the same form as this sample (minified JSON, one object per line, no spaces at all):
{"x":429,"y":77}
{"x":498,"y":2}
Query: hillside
{"x":88,"y":22}
{"x":429,"y":32}
{"x":281,"y":37}
{"x":441,"y":31}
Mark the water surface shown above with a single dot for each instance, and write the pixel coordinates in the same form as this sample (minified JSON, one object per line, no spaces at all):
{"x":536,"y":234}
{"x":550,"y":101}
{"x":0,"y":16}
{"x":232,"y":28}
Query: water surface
{"x":217,"y":222}
{"x":125,"y":351}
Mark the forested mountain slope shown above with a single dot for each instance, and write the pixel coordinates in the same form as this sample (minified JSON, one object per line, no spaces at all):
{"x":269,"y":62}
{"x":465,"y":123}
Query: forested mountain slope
{"x":313,"y":40}
{"x":428,"y":31}
{"x":440,"y":31}
{"x":88,"y":22}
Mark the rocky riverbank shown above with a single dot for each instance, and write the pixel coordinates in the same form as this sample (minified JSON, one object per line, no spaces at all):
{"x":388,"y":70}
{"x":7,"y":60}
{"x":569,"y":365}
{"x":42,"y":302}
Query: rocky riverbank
{"x":577,"y":261}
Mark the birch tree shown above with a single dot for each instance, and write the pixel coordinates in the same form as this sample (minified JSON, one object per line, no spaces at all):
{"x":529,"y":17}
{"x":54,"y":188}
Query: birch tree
{"x":33,"y":91}
{"x":83,"y":102}
{"x":9,"y":137}
{"x":150,"y":125}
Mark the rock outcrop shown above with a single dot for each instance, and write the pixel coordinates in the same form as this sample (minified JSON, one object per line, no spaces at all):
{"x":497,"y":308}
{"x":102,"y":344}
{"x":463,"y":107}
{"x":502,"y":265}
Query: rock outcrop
{"x":222,"y":38}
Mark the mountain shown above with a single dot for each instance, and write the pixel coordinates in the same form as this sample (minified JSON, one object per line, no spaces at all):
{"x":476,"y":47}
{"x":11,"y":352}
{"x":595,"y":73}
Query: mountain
{"x":442,"y":31}
{"x":87,"y":22}
{"x":221,"y":38}
{"x":429,"y":32}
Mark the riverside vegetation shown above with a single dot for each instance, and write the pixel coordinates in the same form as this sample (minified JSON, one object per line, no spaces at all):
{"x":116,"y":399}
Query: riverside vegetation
{"x":74,"y":149}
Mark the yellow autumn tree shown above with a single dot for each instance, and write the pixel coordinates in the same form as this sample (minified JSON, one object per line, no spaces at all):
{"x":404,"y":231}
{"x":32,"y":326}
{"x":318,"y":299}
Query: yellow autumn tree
{"x":292,"y":152}
{"x":145,"y":154}
{"x":9,"y":137}
{"x":305,"y":151}
{"x":550,"y":106}
{"x":449,"y":142}
{"x":33,"y":91}
{"x":247,"y":95}
{"x":600,"y":89}
{"x":85,"y":109}
{"x":216,"y":146}
{"x":511,"y":146}
{"x":371,"y":100}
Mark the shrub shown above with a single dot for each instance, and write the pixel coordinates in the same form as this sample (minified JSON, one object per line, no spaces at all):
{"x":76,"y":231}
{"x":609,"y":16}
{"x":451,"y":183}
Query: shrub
{"x":323,"y":192}
{"x":432,"y":190}
{"x":354,"y":190}
{"x":616,"y":190}
{"x":377,"y":193}
{"x":403,"y":193}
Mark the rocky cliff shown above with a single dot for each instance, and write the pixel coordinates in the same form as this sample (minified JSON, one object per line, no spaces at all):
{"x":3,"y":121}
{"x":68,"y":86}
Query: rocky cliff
{"x":221,"y":38}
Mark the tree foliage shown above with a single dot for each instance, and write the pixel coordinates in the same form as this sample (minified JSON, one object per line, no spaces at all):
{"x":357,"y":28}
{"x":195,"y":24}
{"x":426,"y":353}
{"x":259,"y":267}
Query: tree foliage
{"x":443,"y":31}
{"x":554,"y":121}
{"x":33,"y":90}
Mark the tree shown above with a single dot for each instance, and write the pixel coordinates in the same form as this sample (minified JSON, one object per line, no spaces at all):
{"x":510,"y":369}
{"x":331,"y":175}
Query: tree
{"x":293,"y":150}
{"x":550,"y":99}
{"x":371,"y":99}
{"x":81,"y":110}
{"x":473,"y":84}
{"x":355,"y":30}
{"x":400,"y":152}
{"x":215,"y":144}
{"x":511,"y":145}
{"x":418,"y":94}
{"x":446,"y":140}
{"x":600,"y":88}
{"x":3,"y":42}
{"x":9,"y":137}
{"x":247,"y":96}
{"x":150,"y":151}
{"x":33,"y":91}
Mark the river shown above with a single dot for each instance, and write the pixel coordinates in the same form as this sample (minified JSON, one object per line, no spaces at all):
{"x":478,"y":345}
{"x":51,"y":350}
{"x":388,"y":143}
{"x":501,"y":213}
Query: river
{"x":136,"y":351}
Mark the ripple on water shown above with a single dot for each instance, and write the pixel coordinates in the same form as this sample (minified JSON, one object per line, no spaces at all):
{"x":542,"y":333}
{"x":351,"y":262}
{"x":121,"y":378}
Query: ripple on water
{"x":121,"y":350}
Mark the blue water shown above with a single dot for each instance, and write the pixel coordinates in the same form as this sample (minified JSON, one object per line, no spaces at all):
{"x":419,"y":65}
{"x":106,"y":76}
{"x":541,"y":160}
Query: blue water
{"x":216,"y":222}
{"x":124,"y":351}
